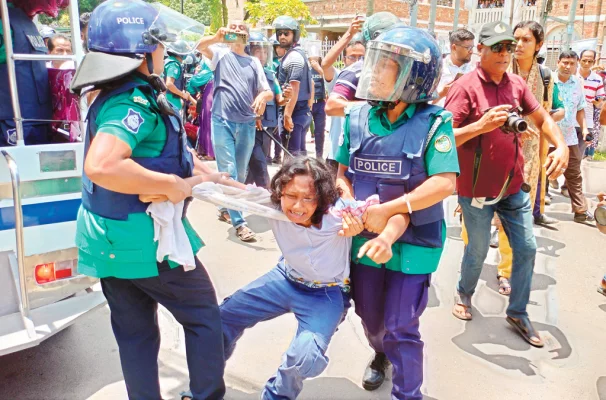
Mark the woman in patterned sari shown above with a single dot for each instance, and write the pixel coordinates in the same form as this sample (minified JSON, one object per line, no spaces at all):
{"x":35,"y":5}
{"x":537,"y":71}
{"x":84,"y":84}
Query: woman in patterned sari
{"x":529,"y":36}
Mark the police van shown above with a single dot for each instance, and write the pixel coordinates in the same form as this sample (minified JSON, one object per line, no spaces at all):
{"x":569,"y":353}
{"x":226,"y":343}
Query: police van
{"x":41,"y":292}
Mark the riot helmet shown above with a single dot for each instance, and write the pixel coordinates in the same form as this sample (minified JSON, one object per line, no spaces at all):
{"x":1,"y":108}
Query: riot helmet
{"x":402,"y":64}
{"x":286,"y":22}
{"x":377,"y":24}
{"x":261,"y":48}
{"x":121,"y":34}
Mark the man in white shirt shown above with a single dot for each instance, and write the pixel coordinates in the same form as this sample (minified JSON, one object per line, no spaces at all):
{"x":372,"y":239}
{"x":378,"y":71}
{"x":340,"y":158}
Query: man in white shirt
{"x":593,"y":86}
{"x":457,"y":63}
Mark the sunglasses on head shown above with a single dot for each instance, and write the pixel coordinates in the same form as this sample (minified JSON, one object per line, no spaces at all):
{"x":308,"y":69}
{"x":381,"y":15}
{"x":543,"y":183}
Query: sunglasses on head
{"x":497,"y":48}
{"x":282,"y":33}
{"x":241,"y":27}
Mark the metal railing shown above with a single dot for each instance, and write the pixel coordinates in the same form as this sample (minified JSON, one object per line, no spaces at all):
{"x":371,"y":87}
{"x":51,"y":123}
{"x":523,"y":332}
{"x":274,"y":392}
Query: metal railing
{"x":16,"y":185}
{"x":11,"y":57}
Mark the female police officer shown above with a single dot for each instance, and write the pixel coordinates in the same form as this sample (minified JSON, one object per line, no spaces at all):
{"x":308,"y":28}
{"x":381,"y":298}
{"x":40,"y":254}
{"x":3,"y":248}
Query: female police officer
{"x":402,"y":149}
{"x":135,"y":146}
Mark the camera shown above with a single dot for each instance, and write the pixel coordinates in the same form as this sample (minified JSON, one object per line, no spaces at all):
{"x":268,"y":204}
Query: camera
{"x":600,"y":215}
{"x":514,"y":124}
{"x":589,"y":137}
{"x":233,"y":37}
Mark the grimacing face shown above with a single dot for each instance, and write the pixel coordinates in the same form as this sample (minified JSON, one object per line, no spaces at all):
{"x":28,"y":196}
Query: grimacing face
{"x":299,"y":200}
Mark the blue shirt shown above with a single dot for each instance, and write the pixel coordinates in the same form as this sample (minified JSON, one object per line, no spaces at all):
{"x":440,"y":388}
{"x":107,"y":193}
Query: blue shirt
{"x":314,"y":255}
{"x":573,"y":96}
{"x":238,"y":80}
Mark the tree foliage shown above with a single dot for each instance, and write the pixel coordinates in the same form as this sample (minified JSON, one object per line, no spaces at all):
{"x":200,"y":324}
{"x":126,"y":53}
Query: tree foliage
{"x":266,"y":11}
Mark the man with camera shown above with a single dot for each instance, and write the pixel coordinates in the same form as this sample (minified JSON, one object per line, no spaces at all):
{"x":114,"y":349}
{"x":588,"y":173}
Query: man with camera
{"x":488,"y":134}
{"x":573,"y":95}
{"x":241,"y":93}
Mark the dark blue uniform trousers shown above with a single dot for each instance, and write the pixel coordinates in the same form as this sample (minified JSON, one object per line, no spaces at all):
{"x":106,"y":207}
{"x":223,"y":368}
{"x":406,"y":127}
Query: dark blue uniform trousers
{"x":390,"y":304}
{"x":191,"y":299}
{"x":257,"y":166}
{"x":301,"y":119}
{"x":319,"y":115}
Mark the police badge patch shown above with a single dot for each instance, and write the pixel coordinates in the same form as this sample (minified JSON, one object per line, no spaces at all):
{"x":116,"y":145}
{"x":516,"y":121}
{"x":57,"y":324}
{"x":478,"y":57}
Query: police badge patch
{"x":443,"y":144}
{"x":133,"y":121}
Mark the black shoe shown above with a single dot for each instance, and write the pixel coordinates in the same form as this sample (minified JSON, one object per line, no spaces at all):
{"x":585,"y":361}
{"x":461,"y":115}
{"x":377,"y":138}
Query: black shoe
{"x":375,"y":372}
{"x":545,"y":220}
{"x":583,"y":217}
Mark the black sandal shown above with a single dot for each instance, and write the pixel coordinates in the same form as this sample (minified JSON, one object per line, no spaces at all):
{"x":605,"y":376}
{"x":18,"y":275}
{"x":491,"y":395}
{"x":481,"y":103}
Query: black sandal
{"x":526,"y":330}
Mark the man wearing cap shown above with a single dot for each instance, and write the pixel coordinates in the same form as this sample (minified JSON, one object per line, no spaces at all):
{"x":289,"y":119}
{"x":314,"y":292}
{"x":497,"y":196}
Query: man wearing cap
{"x":492,"y":166}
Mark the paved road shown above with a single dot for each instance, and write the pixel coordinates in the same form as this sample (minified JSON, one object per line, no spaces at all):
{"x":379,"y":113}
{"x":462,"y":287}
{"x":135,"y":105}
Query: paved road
{"x":482,"y":359}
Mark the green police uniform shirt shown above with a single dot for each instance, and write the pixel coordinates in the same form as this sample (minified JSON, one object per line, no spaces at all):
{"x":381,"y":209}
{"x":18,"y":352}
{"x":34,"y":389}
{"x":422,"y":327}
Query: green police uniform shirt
{"x":556,"y":101}
{"x":440,"y":157}
{"x":172,"y":69}
{"x":126,"y":249}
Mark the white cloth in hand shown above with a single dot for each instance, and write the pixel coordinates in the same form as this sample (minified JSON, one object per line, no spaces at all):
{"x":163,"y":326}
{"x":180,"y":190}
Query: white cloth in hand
{"x":253,"y":199}
{"x":170,"y":234}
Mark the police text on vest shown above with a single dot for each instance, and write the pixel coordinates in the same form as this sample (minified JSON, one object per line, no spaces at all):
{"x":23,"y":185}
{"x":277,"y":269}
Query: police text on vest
{"x":390,"y":167}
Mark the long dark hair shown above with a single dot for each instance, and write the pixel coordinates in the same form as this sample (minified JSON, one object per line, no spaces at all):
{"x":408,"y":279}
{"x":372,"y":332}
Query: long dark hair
{"x":327,"y":192}
{"x":535,"y":28}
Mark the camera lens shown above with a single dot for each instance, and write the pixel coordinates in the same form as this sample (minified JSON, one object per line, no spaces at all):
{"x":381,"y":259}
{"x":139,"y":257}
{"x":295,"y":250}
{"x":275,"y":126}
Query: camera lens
{"x":520,"y":126}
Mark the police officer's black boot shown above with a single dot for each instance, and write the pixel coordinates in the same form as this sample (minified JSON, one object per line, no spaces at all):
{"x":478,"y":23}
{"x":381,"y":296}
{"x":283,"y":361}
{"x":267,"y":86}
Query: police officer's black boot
{"x":375,"y":372}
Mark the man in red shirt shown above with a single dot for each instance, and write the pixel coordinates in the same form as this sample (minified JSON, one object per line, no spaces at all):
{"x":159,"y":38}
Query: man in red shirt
{"x":492,"y":165}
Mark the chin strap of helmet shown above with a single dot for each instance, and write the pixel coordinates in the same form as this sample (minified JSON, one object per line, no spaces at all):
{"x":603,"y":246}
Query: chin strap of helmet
{"x":159,"y":86}
{"x":384,"y":105}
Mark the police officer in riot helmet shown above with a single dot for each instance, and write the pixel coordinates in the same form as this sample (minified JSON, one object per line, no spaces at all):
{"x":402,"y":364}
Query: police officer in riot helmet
{"x":135,"y":152}
{"x":402,"y":148}
{"x":294,"y":71}
{"x":174,"y":73}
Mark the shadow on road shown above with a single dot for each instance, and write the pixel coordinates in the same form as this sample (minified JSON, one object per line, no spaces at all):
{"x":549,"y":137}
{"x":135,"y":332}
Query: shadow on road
{"x":74,"y":364}
{"x":549,"y":247}
{"x":326,"y":389}
{"x":603,"y":307}
{"x":489,"y":274}
{"x":495,"y":331}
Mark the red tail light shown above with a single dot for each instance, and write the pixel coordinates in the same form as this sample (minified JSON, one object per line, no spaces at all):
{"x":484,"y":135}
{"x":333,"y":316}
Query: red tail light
{"x":51,"y":272}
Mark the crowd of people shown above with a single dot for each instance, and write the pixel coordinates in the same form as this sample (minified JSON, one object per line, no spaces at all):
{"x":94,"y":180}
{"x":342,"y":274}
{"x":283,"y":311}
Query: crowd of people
{"x":408,"y":128}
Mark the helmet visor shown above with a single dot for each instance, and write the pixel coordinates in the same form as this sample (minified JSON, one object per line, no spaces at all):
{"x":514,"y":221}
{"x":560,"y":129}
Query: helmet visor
{"x":264,"y":51}
{"x":385,"y":72}
{"x":171,"y":27}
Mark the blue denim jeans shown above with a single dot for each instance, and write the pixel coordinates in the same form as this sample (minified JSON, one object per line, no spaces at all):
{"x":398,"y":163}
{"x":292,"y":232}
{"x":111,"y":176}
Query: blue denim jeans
{"x":318,"y":311}
{"x":515,"y":213}
{"x":233,"y":144}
